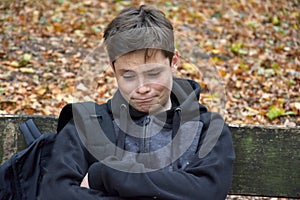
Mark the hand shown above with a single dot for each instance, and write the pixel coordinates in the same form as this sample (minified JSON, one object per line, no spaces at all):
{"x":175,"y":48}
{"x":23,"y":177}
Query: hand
{"x":85,"y":182}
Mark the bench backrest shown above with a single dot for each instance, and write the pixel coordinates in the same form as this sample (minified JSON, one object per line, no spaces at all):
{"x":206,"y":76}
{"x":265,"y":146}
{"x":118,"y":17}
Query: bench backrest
{"x":267,"y":158}
{"x":267,"y":161}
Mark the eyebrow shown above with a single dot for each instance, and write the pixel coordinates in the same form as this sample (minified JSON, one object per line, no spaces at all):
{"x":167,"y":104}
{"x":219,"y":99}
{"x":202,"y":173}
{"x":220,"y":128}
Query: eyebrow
{"x":125,"y":70}
{"x":146,"y":71}
{"x":154,"y":69}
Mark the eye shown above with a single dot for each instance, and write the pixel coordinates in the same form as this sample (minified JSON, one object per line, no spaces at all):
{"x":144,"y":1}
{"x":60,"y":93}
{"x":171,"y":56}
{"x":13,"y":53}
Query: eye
{"x":128,"y":75}
{"x":156,"y":73}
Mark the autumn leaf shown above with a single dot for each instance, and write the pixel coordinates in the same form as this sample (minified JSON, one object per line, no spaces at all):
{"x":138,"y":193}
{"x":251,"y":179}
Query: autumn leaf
{"x":27,"y":70}
{"x":275,"y":111}
{"x":25,"y":60}
{"x":237,"y":48}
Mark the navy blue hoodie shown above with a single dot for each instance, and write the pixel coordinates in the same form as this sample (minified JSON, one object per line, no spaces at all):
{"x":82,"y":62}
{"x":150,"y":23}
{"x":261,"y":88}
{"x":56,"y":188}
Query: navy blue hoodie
{"x":183,"y":153}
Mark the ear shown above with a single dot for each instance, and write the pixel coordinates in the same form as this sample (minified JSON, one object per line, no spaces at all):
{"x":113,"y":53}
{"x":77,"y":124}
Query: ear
{"x":175,"y":60}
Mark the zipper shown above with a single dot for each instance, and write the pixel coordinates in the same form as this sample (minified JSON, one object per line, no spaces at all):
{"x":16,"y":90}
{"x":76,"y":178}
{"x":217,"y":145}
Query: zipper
{"x":145,"y":142}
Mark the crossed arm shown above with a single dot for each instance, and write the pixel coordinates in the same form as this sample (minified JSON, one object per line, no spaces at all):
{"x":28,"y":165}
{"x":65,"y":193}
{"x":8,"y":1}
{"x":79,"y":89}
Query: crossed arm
{"x":73,"y":171}
{"x":205,"y":178}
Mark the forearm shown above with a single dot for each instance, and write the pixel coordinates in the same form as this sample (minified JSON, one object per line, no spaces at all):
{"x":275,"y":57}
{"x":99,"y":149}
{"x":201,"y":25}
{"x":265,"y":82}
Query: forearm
{"x":205,"y":178}
{"x":165,"y":185}
{"x":67,"y":167}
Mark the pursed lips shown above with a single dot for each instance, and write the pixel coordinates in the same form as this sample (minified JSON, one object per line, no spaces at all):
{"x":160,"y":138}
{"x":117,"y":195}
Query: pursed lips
{"x":143,"y":100}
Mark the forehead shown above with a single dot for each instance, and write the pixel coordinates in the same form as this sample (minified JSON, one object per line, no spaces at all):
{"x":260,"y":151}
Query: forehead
{"x":140,"y":57}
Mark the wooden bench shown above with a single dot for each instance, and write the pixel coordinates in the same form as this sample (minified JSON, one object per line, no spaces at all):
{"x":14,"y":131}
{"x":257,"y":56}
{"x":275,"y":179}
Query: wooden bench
{"x":267,"y":158}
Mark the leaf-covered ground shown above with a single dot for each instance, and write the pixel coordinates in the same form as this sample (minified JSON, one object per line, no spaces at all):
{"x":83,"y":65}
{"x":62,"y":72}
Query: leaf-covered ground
{"x":245,"y":55}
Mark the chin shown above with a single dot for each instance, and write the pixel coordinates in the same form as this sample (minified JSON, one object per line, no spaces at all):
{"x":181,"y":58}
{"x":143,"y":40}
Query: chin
{"x":145,"y":110}
{"x":154,"y":109}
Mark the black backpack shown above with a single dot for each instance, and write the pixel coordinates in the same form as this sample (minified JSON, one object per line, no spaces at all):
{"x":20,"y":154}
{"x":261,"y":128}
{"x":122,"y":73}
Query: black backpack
{"x":25,"y":169}
{"x":21,"y":174}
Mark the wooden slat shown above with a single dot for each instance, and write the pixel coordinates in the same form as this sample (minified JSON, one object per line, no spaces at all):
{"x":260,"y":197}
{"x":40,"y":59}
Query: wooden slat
{"x":267,"y":158}
{"x":11,"y":140}
{"x":267,"y":161}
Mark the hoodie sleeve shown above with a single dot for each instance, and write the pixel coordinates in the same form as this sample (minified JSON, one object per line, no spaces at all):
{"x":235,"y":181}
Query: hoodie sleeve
{"x":208,"y":176}
{"x":67,"y":167}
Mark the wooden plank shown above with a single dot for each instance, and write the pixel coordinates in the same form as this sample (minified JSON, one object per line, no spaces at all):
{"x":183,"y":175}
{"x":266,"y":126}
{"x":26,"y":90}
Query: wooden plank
{"x":267,"y":161}
{"x":267,"y":158}
{"x":11,"y":140}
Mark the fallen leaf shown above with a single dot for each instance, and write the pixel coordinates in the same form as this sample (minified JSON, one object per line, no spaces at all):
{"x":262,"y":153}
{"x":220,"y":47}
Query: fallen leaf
{"x":27,"y":70}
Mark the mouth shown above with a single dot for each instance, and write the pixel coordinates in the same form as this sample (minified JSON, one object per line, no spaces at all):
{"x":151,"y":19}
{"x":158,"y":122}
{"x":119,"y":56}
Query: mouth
{"x":143,"y":100}
{"x":149,"y":104}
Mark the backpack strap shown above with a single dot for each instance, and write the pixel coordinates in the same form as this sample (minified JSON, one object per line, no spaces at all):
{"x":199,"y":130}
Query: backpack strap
{"x":88,"y":116}
{"x":65,"y":116}
{"x":95,"y":128}
{"x":105,"y":121}
{"x":30,"y":131}
{"x":100,"y":112}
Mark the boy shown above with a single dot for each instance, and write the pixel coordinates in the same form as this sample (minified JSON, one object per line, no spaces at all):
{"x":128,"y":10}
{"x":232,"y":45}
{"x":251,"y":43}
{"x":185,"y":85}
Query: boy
{"x":159,"y":142}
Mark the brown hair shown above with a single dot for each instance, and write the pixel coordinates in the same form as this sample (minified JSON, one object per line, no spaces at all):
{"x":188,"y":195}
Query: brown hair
{"x":139,"y":28}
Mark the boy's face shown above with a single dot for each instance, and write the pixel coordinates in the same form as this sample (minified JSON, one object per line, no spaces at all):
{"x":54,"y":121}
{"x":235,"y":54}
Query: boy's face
{"x":145,"y":86}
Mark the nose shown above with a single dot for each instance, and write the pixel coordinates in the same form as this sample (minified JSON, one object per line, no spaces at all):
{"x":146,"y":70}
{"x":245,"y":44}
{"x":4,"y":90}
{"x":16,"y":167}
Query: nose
{"x":143,"y":89}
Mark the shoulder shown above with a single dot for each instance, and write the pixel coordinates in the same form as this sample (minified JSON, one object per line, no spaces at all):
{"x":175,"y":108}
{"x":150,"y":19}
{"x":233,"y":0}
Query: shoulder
{"x":82,"y":109}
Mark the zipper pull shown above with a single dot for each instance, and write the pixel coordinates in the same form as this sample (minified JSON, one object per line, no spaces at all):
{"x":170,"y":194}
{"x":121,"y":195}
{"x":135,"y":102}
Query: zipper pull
{"x":147,"y":120}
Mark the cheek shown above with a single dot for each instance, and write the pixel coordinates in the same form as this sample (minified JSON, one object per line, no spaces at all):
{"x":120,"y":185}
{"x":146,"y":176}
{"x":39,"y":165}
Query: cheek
{"x":160,"y":87}
{"x":126,"y":88}
{"x":165,"y":82}
{"x":163,"y":86}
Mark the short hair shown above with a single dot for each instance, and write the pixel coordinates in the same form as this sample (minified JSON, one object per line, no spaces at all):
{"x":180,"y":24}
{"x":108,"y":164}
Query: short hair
{"x":137,"y":29}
